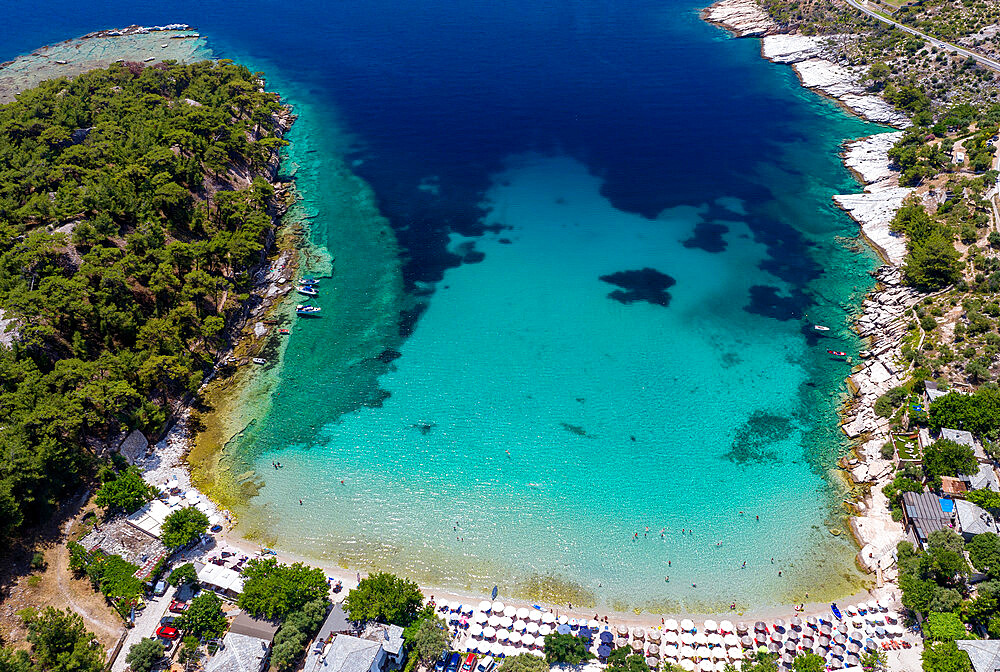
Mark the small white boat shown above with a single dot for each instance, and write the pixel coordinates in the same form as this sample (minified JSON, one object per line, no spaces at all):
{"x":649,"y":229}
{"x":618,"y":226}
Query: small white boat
{"x":307,"y":310}
{"x":820,"y":327}
{"x":151,"y":58}
{"x":307,"y":290}
{"x":259,"y":360}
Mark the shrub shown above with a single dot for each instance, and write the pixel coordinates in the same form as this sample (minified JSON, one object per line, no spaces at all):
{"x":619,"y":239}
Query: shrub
{"x":144,"y":655}
{"x":183,"y":526}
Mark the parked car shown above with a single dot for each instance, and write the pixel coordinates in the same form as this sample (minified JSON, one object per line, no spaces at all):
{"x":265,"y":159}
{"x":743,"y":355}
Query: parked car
{"x":160,"y":588}
{"x":167,"y":632}
{"x":442,"y":661}
{"x":168,"y":620}
{"x":178,"y":607}
{"x":486,"y":664}
{"x":470,"y":663}
{"x":453,"y":662}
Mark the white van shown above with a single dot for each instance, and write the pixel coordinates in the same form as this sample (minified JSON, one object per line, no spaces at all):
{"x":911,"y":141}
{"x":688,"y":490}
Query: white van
{"x":485,"y":665}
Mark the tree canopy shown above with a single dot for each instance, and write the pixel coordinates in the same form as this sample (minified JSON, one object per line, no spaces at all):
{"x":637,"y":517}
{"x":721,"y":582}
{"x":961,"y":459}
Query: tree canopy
{"x":565,"y":649}
{"x":978,"y":413}
{"x":945,"y":657}
{"x":59,"y":643}
{"x":275,"y":590}
{"x":384,"y":597}
{"x":984,"y":552}
{"x":183,"y":526}
{"x":144,"y":655}
{"x":947,"y":458}
{"x":203,"y":617}
{"x":125,"y":244}
{"x":124,"y":492}
{"x":523,"y":662}
{"x":427,"y":636}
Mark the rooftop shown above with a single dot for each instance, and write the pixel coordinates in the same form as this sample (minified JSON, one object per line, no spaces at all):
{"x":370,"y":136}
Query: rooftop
{"x":348,"y":654}
{"x":240,"y":653}
{"x":972,"y":519}
{"x":119,"y":537}
{"x":984,"y":654}
{"x":926,"y":512}
{"x":959,"y":436}
{"x":221,"y":578}
{"x":245,"y":624}
{"x":984,"y":478}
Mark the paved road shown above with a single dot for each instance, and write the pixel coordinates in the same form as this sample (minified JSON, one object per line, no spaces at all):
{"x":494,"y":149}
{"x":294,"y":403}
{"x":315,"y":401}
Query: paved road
{"x":146,"y":623}
{"x":988,"y":62}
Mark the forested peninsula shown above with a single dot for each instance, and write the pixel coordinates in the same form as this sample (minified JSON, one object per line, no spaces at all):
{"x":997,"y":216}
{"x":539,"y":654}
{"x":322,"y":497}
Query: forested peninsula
{"x":136,"y":204}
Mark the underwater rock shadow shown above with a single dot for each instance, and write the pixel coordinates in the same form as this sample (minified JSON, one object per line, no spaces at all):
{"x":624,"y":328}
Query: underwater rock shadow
{"x":647,"y":285}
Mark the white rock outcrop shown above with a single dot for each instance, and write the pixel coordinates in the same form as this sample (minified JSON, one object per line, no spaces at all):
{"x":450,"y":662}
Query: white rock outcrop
{"x":745,"y":18}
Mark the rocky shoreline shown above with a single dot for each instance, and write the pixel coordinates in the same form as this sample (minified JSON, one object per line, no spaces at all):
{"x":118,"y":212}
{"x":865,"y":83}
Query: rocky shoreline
{"x":884,"y":311}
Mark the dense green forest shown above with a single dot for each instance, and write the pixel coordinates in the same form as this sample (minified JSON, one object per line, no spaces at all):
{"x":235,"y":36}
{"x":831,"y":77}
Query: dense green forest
{"x":132,"y":208}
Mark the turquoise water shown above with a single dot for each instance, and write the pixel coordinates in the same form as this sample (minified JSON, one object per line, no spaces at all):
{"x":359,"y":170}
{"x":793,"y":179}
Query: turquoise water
{"x":473,"y":408}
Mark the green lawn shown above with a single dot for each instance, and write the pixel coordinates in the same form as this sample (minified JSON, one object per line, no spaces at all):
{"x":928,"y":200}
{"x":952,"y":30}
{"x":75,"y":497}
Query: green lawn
{"x":906,"y":447}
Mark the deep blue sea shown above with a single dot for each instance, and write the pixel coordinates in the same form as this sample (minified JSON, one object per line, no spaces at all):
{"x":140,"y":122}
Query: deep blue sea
{"x":571,"y":250}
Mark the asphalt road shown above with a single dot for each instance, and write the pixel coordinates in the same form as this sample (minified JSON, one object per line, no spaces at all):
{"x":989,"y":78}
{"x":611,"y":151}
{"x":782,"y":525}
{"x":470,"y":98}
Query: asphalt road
{"x":987,"y":62}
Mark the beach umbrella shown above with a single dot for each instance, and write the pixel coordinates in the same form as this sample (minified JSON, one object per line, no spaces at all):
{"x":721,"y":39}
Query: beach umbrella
{"x":489,"y":632}
{"x":622,"y":630}
{"x":703,"y":652}
{"x":856,"y":635}
{"x":515,"y":638}
{"x":532,"y":627}
{"x":670,"y":624}
{"x":687,"y":638}
{"x":563,"y":629}
{"x":731,"y":640}
{"x":891,"y":616}
{"x":480,"y":617}
{"x":836,"y":664}
{"x":840,"y":638}
{"x":760,"y":626}
{"x":686,"y":652}
{"x":521,"y":613}
{"x":585,"y":633}
{"x":700,"y":638}
{"x":467,"y":609}
{"x":826,"y":618}
{"x":485,"y":605}
{"x":537,"y":652}
{"x":786,"y":658}
{"x":824,"y":640}
{"x":475,"y":630}
{"x":506,"y":622}
{"x":498,"y":607}
{"x":520,"y":625}
{"x":746,"y":642}
{"x":742,"y":628}
{"x":510,"y":651}
{"x":669,"y":651}
{"x":483,"y":647}
{"x":726,"y":626}
{"x":652,"y":650}
{"x":853,"y":647}
{"x":544,"y":629}
{"x":851,"y":610}
{"x":653,"y":635}
{"x":529,"y":639}
{"x":825,"y":629}
{"x":852,"y":661}
{"x":880,"y":631}
{"x":711,"y":625}
{"x":593,"y":624}
{"x":790,"y":646}
{"x":687,"y":664}
{"x":796,"y":622}
{"x":735,"y":654}
{"x":496,"y":649}
{"x":870,"y":645}
{"x":687,"y":625}
{"x":575,"y":623}
{"x":652,"y":661}
{"x":638,"y":633}
{"x":670,"y":637}
{"x":468,"y":644}
{"x":774,"y":647}
{"x":607,"y":637}
{"x":603,"y":651}
{"x":779,"y":624}
{"x":842,"y":628}
{"x":494,"y":620}
{"x":563,"y":620}
{"x":535,"y":615}
{"x":793,"y":635}
{"x":636,"y":645}
{"x":510,"y":611}
{"x":717,"y":652}
{"x":621,"y":642}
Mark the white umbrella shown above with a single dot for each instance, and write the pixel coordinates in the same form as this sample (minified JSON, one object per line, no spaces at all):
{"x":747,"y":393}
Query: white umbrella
{"x":686,"y":652}
{"x":671,"y":624}
{"x":547,"y":617}
{"x":731,"y":640}
{"x":544,"y":629}
{"x":475,"y":630}
{"x":468,"y":644}
{"x":669,"y":650}
{"x":510,"y":611}
{"x":503,"y":635}
{"x":522,"y":613}
{"x":443,"y":604}
{"x":528,"y":639}
{"x":532,"y":627}
{"x":593,"y":625}
{"x":483,"y":647}
{"x":480,"y":617}
{"x":703,"y":652}
{"x":687,"y":625}
{"x":711,"y":625}
{"x":726,"y":626}
{"x":497,"y":607}
{"x":485,"y":605}
{"x":537,"y":652}
{"x":515,"y":638}
{"x":687,"y":664}
{"x":638,"y":633}
{"x":715,"y":639}
{"x":872,"y":605}
{"x":506,"y":622}
{"x":494,"y":620}
{"x":573,"y":623}
{"x":669,"y":636}
{"x":510,"y":651}
{"x":717,"y":652}
{"x":496,"y":648}
{"x":467,"y":609}
{"x":687,"y":638}
{"x":720,"y":666}
{"x":534,"y":615}
{"x":520,"y":625}
{"x":173,"y":500}
{"x":735,"y":654}
{"x":489,"y":632}
{"x":563,"y":620}
{"x":700,"y":638}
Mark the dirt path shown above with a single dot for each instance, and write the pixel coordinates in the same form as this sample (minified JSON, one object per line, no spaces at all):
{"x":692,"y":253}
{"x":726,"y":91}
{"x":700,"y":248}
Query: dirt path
{"x":70,"y":587}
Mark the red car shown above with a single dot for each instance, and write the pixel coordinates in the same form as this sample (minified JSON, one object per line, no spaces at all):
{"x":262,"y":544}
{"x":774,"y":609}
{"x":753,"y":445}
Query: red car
{"x":178,"y":607}
{"x":167,"y":632}
{"x":470,"y":663}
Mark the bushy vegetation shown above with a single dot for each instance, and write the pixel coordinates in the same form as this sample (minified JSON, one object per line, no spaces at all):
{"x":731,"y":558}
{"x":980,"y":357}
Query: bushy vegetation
{"x":203,"y":618}
{"x":125,"y":491}
{"x":978,"y":413}
{"x":931,"y":579}
{"x":384,"y":597}
{"x":296,"y":632}
{"x":59,"y":643}
{"x":112,"y":575}
{"x":125,"y":250}
{"x":565,"y":649}
{"x":183,"y":575}
{"x":274,"y":590}
{"x":183,"y":526}
{"x":144,"y":655}
{"x":427,"y":636}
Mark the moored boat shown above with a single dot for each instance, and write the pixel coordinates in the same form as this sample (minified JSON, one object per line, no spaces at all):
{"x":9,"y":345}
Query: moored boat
{"x":307,"y":290}
{"x":837,"y":353}
{"x":307,"y":310}
{"x":259,"y":360}
{"x":284,"y":331}
{"x":308,"y":281}
{"x":820,"y":327}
